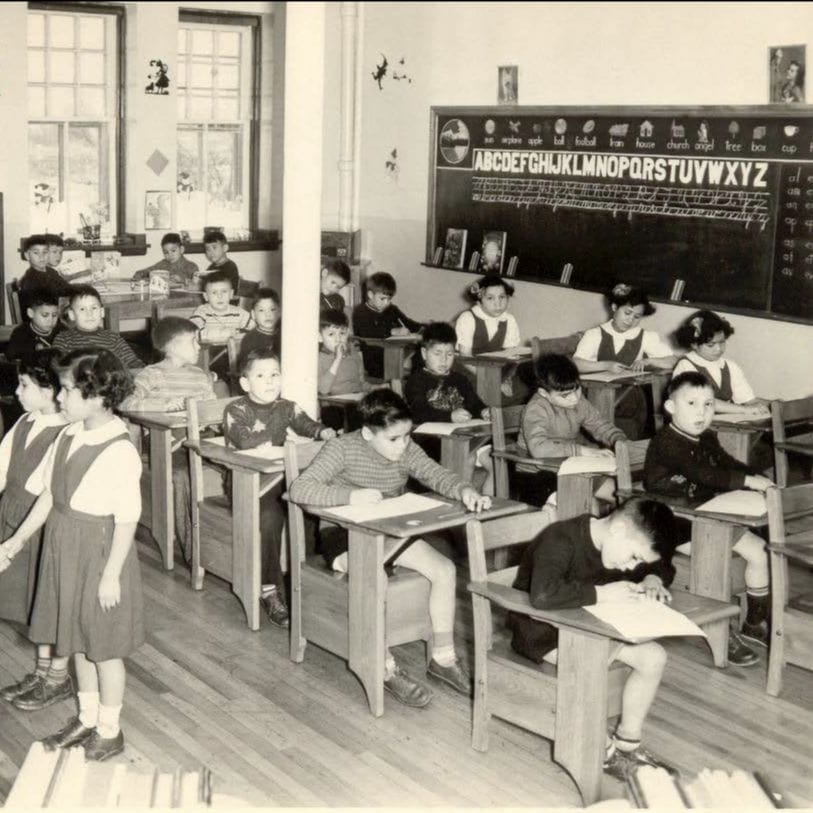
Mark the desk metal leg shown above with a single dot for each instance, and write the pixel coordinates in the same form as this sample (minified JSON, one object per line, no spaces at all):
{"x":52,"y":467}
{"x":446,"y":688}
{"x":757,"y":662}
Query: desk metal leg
{"x":489,"y":380}
{"x":246,"y":576}
{"x":710,"y":573}
{"x":163,"y":514}
{"x":581,"y":708}
{"x":366,"y":622}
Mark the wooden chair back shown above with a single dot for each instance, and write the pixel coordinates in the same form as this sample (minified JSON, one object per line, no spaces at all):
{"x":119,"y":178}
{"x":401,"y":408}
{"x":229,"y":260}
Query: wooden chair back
{"x":800,"y":412}
{"x":14,"y":307}
{"x":562,"y":345}
{"x":201,"y":415}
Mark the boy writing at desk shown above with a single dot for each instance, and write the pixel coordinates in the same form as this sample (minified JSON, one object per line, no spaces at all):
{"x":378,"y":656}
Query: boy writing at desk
{"x":686,"y":460}
{"x":182,"y":272}
{"x":584,"y":561}
{"x":364,"y":467}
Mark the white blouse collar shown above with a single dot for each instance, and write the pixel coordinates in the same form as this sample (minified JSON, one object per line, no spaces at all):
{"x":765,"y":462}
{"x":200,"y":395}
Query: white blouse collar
{"x":632,"y":333}
{"x":43,"y":420}
{"x":478,"y":311}
{"x":697,"y":359}
{"x":93,"y":437}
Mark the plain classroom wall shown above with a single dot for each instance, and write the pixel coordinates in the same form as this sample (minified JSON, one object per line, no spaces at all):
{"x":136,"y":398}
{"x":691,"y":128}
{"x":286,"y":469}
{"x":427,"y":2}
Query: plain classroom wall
{"x":567,"y":53}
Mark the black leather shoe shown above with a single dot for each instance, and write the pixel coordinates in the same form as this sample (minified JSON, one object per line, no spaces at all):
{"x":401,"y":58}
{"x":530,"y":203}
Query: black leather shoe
{"x":17,"y":689}
{"x":74,"y":733}
{"x":98,"y":749}
{"x":455,"y":675}
{"x":44,"y":694}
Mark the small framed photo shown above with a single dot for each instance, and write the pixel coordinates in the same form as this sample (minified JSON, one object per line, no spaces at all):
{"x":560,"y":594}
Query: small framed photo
{"x":454,"y":251}
{"x":508,"y":84}
{"x":158,"y":211}
{"x":492,"y":254}
{"x":786,"y":74}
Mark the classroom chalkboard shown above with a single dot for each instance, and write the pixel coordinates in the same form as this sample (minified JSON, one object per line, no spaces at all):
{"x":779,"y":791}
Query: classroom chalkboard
{"x":720,"y":198}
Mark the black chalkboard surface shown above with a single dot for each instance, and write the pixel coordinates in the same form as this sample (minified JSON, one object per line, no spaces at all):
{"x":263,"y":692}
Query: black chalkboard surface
{"x":718,"y":197}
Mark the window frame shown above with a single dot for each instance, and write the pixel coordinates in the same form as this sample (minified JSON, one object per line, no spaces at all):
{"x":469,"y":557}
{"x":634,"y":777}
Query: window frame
{"x":119,"y":114}
{"x":253,"y":23}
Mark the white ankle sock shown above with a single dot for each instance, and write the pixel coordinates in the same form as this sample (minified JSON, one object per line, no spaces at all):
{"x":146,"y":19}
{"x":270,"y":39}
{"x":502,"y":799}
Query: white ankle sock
{"x":88,"y":708}
{"x":267,"y":589}
{"x":389,"y":666}
{"x":108,"y":726}
{"x":444,"y":655}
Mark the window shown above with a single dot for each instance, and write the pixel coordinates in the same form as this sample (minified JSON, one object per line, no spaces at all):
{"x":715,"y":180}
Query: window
{"x":73,"y":127}
{"x":216,"y":123}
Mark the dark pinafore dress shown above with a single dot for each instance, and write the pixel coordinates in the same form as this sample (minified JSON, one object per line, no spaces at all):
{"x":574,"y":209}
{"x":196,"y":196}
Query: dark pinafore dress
{"x":480,"y":343}
{"x":722,"y":391}
{"x":630,"y":403}
{"x":75,"y":550}
{"x":18,"y":582}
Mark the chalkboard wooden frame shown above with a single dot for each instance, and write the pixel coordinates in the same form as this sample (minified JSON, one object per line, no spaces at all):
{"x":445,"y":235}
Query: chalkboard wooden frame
{"x":786,"y":298}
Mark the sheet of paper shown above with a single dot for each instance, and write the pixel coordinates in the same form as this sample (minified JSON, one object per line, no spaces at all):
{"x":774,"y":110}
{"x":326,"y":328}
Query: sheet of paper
{"x":755,"y":419}
{"x":644,"y":618}
{"x":349,"y":397}
{"x":746,"y":503}
{"x":510,"y":353}
{"x":392,"y":507}
{"x":264,"y":453}
{"x":581,"y":465}
{"x":412,"y":336}
{"x":446,"y":428}
{"x":607,"y":375}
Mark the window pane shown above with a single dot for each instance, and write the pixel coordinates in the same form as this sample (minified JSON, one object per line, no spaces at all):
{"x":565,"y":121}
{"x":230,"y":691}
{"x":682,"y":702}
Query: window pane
{"x":60,"y":102}
{"x":85,"y":159}
{"x":200,"y":107}
{"x":228,"y":43}
{"x":181,"y":95}
{"x":228,"y":107}
{"x":36,"y":102}
{"x":91,"y":32}
{"x":181,"y":73}
{"x":47,"y":211}
{"x":36,"y":29}
{"x":191,"y":200}
{"x":201,"y":74}
{"x":91,"y":68}
{"x":60,"y":31}
{"x":182,"y":40}
{"x":61,"y":67}
{"x":36,"y":66}
{"x":228,"y":76}
{"x":222,"y":165}
{"x":202,"y":42}
{"x":90,"y":102}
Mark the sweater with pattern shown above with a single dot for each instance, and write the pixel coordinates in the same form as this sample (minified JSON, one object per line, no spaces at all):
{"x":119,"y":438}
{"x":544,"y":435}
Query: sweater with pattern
{"x":73,"y":339}
{"x":247,"y":424}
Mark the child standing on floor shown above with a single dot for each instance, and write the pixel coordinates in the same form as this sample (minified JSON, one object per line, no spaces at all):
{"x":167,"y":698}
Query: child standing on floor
{"x":364,"y":467}
{"x":22,"y":451}
{"x":620,"y":345}
{"x":704,"y":335}
{"x":88,"y":602}
{"x":261,"y":418}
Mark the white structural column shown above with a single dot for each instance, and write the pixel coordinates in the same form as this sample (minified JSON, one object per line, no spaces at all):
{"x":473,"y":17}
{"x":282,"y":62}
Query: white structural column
{"x":302,"y":199}
{"x":347,"y":156}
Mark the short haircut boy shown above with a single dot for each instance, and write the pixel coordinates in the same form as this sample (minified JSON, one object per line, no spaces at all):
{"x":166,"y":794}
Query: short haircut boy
{"x":55,"y":240}
{"x":217,"y":276}
{"x":256,"y":354}
{"x":171,"y":239}
{"x":702,"y":327}
{"x":690,"y":378}
{"x":556,"y":373}
{"x":332,"y":318}
{"x":656,"y":520}
{"x":214,"y":236}
{"x":265,"y":293}
{"x":42,"y":296}
{"x":380,"y":409}
{"x":438,"y":333}
{"x":35,"y":240}
{"x":381,"y":283}
{"x":168,"y":328}
{"x":81,"y":291}
{"x":338,"y":268}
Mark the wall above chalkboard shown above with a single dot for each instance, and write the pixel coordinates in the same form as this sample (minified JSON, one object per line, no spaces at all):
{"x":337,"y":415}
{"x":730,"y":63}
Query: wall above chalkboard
{"x":718,"y":198}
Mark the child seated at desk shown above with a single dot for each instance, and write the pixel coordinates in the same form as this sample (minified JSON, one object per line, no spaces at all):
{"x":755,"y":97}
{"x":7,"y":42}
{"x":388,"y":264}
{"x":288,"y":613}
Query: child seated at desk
{"x":42,"y":327}
{"x":169,"y":384}
{"x":367,"y":466}
{"x":88,"y":316}
{"x":378,"y":318}
{"x":216,"y":248}
{"x":487,"y":325}
{"x":685,"y":460}
{"x":261,"y":418}
{"x":39,"y":274}
{"x":620,"y":345}
{"x":704,"y":335}
{"x":554,"y":420}
{"x":266,"y":315}
{"x":335,"y":275}
{"x":584,"y":561}
{"x":183,"y":273}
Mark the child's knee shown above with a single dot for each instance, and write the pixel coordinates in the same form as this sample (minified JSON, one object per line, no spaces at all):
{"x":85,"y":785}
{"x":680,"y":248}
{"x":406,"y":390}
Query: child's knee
{"x":652,"y":659}
{"x":751,"y":548}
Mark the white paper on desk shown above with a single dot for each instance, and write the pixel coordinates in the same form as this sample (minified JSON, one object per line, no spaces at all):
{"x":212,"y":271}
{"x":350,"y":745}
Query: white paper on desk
{"x":643,"y":617}
{"x":585,"y":465}
{"x":414,"y":336}
{"x":736,"y":418}
{"x":608,"y":375}
{"x":392,"y":507}
{"x":264,"y":453}
{"x":744,"y":502}
{"x":350,"y":397}
{"x":446,"y":427}
{"x":508,"y":353}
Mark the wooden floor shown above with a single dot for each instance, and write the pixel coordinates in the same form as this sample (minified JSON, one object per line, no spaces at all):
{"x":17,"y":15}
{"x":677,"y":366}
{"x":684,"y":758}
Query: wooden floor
{"x":204,"y":689}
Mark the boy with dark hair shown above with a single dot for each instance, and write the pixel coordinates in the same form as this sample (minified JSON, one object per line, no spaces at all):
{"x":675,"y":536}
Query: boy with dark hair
{"x":364,"y":467}
{"x":56,"y":247}
{"x":216,"y":249}
{"x":217,"y":319}
{"x":378,"y":318}
{"x":685,"y":460}
{"x":266,"y":331}
{"x":341,"y":369}
{"x":88,"y":315}
{"x":583,"y":561}
{"x":40,"y":275}
{"x":42,"y":327}
{"x":182,"y":272}
{"x":335,"y":275}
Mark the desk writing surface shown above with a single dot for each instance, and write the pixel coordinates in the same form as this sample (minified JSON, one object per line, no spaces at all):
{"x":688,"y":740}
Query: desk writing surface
{"x":452,"y":428}
{"x":609,"y":377}
{"x":745,"y":422}
{"x":510,"y":353}
{"x":161,"y":420}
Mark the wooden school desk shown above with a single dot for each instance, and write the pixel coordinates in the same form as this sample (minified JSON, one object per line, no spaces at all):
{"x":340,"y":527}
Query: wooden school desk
{"x":372,"y":544}
{"x":456,"y":449}
{"x":738,"y":437}
{"x":162,"y":512}
{"x":396,"y":352}
{"x":489,"y":371}
{"x":120,"y":306}
{"x":602,"y":389}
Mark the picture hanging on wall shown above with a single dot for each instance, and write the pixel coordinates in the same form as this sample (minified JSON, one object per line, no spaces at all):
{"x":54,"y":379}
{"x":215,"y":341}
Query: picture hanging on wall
{"x":492,"y":252}
{"x":508,"y":84}
{"x":158,"y":210}
{"x":786,"y":74}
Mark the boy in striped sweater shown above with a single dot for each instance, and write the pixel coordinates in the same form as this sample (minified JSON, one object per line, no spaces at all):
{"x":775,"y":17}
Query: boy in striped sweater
{"x":88,"y":315}
{"x":365,"y":467}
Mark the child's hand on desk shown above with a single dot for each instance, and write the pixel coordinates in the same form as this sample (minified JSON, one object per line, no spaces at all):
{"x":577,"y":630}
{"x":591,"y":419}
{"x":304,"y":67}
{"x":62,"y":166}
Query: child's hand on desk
{"x":460,"y":415}
{"x":757,"y":409}
{"x":757,"y":482}
{"x":616,"y":367}
{"x":592,"y":451}
{"x":365,"y":496}
{"x":474,"y":501}
{"x":327,"y":434}
{"x":485,"y":415}
{"x":616,"y":591}
{"x":638,"y":366}
{"x":652,"y":587}
{"x":400,"y":331}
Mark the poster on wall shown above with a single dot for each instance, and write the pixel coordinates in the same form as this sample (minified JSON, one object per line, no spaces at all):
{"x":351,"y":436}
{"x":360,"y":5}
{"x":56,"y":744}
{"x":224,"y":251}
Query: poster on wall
{"x":508,"y":84}
{"x":786,"y":71}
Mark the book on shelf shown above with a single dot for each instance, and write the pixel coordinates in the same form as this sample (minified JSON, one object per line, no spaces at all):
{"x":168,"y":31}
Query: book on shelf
{"x":454,"y":251}
{"x":492,"y":253}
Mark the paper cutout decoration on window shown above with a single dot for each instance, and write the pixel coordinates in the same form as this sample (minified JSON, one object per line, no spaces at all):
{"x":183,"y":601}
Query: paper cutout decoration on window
{"x":157,"y":162}
{"x":158,"y":78}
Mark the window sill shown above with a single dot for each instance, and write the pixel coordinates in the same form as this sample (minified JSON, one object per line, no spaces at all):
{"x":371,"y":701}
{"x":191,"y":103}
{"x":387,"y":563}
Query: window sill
{"x":128,"y":245}
{"x":263,"y":240}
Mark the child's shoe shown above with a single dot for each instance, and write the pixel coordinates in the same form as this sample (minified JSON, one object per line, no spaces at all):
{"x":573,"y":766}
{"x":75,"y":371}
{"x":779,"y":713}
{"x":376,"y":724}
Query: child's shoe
{"x":622,"y":764}
{"x":276,"y":610}
{"x":758,"y":633}
{"x":407,"y":690}
{"x":14,"y":691}
{"x":739,"y":653}
{"x":72,"y":733}
{"x":98,"y":749}
{"x":456,"y":675}
{"x":44,"y":694}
